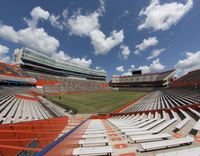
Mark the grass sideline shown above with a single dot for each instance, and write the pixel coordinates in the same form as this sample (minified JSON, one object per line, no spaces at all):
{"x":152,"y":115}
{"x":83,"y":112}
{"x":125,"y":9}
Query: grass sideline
{"x":104,"y":102}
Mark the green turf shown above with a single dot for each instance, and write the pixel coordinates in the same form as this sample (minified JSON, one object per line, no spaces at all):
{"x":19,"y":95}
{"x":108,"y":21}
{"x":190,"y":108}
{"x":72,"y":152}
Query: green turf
{"x":97,"y":102}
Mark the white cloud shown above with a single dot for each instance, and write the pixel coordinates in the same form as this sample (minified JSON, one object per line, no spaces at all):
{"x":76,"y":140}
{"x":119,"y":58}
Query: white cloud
{"x":129,"y":72}
{"x":103,"y":45}
{"x":100,"y":69}
{"x":39,"y":40}
{"x":5,"y":59}
{"x":83,"y":25}
{"x":155,"y":66}
{"x":191,"y":62}
{"x":155,"y":53}
{"x":120,"y":69}
{"x":125,"y":51}
{"x":54,"y":20}
{"x":3,"y":51}
{"x":158,"y":16}
{"x":65,"y":13}
{"x":146,"y":43}
{"x":145,"y":69}
{"x":8,"y":33}
{"x":88,"y":26}
{"x":37,"y":14}
{"x":34,"y":38}
{"x":59,"y":21}
{"x":125,"y":13}
{"x":132,"y":67}
{"x":81,"y":62}
{"x":102,"y":9}
{"x":61,"y":56}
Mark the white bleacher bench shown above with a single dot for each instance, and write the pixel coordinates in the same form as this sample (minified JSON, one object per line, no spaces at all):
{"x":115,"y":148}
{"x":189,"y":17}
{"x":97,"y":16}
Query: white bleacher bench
{"x":195,"y":112}
{"x":154,"y":137}
{"x":94,"y":136}
{"x":165,"y":125}
{"x":99,"y":141}
{"x":145,"y":130}
{"x":140,"y":118}
{"x":165,"y":144}
{"x":146,"y":123}
{"x":154,"y":131}
{"x":95,"y":132}
{"x":139,"y":122}
{"x":183,"y":122}
{"x":131,"y":130}
{"x":129,"y":125}
{"x":102,"y":150}
{"x":134,"y":133}
{"x":153,"y":124}
{"x":190,"y":152}
{"x":96,"y":127}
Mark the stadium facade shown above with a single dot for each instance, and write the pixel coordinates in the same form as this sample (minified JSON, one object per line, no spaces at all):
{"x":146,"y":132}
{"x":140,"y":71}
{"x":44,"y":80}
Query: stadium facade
{"x":141,"y":81}
{"x":31,"y":60}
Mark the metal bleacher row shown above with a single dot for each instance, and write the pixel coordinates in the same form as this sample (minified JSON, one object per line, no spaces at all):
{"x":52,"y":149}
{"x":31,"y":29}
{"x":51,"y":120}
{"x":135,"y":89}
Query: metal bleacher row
{"x":94,"y":141}
{"x":166,"y":99}
{"x":173,"y":99}
{"x":161,"y":124}
{"x":15,"y":109}
{"x":143,"y":133}
{"x":76,"y":85}
{"x":69,"y":84}
{"x":150,"y":129}
{"x":154,"y":131}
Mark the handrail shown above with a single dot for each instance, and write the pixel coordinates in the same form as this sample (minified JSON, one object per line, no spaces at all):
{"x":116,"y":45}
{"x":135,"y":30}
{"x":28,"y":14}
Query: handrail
{"x":52,"y":145}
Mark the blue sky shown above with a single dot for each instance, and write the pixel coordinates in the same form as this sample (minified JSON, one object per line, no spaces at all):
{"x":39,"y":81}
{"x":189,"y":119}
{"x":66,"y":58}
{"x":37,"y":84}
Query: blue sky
{"x":116,"y":36}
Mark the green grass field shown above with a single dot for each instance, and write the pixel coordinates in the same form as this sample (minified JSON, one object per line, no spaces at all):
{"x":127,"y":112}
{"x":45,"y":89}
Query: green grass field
{"x":104,"y":102}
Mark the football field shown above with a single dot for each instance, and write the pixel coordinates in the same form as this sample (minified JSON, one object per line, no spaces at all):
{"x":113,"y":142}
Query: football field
{"x":99,"y":102}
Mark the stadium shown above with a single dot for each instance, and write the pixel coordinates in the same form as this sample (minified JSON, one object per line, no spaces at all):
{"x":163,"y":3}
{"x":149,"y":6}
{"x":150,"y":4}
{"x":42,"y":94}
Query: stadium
{"x":157,"y":114}
{"x":58,"y":103}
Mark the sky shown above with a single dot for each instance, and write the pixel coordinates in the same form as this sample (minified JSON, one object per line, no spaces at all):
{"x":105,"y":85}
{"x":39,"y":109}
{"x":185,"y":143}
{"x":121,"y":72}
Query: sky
{"x":117,"y":36}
